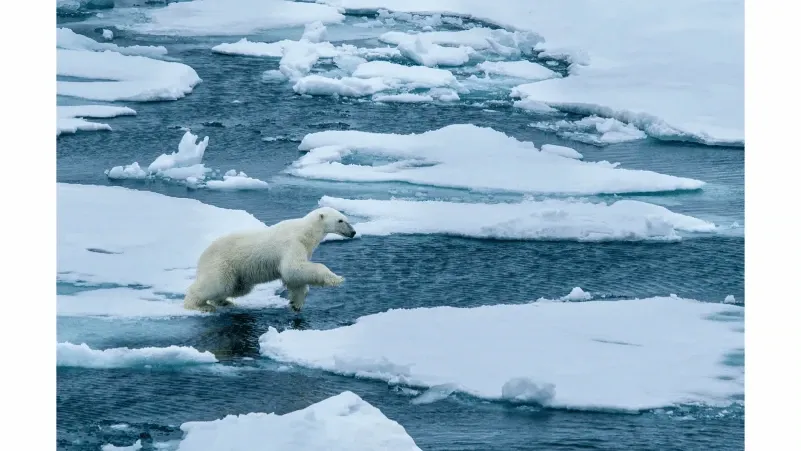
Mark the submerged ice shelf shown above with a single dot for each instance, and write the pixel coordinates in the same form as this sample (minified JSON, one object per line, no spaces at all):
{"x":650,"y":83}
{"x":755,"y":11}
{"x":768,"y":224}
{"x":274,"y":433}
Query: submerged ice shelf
{"x":629,"y":349}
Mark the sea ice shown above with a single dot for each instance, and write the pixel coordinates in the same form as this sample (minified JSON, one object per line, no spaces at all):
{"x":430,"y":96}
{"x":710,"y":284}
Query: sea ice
{"x":567,"y":152}
{"x":236,"y":181}
{"x":457,"y":156}
{"x":403,"y":98}
{"x":551,"y":219}
{"x":577,"y":294}
{"x":133,"y":78}
{"x":594,"y":130}
{"x":339,"y":423}
{"x":108,"y":34}
{"x":135,"y":447}
{"x":69,"y":119}
{"x":73,"y":355}
{"x":518,"y":69}
{"x":623,"y":355}
{"x":671,"y":71}
{"x":70,"y":40}
{"x":186,"y":166}
{"x":412,"y":76}
{"x":502,"y":42}
{"x":428,"y":54}
{"x":233,"y":17}
{"x":317,"y":85}
{"x":143,"y":268}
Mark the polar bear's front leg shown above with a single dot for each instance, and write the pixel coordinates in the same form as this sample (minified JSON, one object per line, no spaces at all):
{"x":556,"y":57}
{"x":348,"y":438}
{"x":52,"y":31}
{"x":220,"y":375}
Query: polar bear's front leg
{"x":308,"y":273}
{"x":297,"y":296}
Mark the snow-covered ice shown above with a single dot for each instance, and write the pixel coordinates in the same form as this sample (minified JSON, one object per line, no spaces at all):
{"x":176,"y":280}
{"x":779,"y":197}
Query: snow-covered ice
{"x":233,"y":17}
{"x":108,"y":34}
{"x":577,"y":294}
{"x":137,"y":445}
{"x":317,"y":85}
{"x":428,"y":54}
{"x":81,"y":355}
{"x":186,"y":166}
{"x":674,"y":69}
{"x":403,"y":98}
{"x":518,"y":69}
{"x":143,"y":268}
{"x":189,"y":153}
{"x":497,"y":41}
{"x":69,"y":119}
{"x":133,"y":78}
{"x":457,"y":156}
{"x":590,"y":130}
{"x":236,"y":181}
{"x":551,"y":219}
{"x":412,"y":76}
{"x":564,"y":151}
{"x":341,"y":422}
{"x":70,"y":40}
{"x":619,"y":355}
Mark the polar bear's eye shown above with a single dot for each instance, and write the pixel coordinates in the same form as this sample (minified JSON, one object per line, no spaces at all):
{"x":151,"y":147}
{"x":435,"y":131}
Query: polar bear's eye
{"x":340,"y":221}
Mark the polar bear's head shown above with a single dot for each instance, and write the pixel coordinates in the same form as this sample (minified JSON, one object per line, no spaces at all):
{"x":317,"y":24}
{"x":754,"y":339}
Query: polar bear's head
{"x":334,"y":222}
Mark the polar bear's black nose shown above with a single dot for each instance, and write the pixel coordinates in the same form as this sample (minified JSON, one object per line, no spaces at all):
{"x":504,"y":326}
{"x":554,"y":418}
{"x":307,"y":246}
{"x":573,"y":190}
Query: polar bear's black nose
{"x":352,"y":233}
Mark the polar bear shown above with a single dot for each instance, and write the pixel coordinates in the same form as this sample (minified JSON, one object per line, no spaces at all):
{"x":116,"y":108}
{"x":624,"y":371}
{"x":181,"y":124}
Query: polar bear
{"x":233,"y":264}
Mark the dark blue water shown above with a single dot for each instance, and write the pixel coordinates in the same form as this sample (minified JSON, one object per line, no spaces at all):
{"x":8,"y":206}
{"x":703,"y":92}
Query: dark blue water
{"x":392,"y":272}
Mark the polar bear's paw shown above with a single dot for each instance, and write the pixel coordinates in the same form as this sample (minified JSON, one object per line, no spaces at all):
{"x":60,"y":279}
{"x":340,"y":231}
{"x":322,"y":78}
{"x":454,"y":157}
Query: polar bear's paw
{"x":333,"y":281}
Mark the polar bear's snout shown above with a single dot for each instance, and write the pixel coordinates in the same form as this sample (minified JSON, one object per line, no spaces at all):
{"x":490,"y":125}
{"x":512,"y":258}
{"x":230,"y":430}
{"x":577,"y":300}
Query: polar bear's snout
{"x":345,"y":229}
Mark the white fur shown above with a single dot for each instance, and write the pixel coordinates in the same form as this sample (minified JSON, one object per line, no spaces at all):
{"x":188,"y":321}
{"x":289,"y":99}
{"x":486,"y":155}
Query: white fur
{"x":233,"y":264}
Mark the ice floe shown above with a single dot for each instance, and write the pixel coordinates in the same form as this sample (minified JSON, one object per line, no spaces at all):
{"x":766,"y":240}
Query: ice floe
{"x":112,"y":76}
{"x":143,"y":268}
{"x":341,"y":422}
{"x":551,"y":219}
{"x":70,"y":119}
{"x":233,"y":17}
{"x":457,"y":156}
{"x":611,"y":355}
{"x":81,"y":355}
{"x":185,"y":166}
